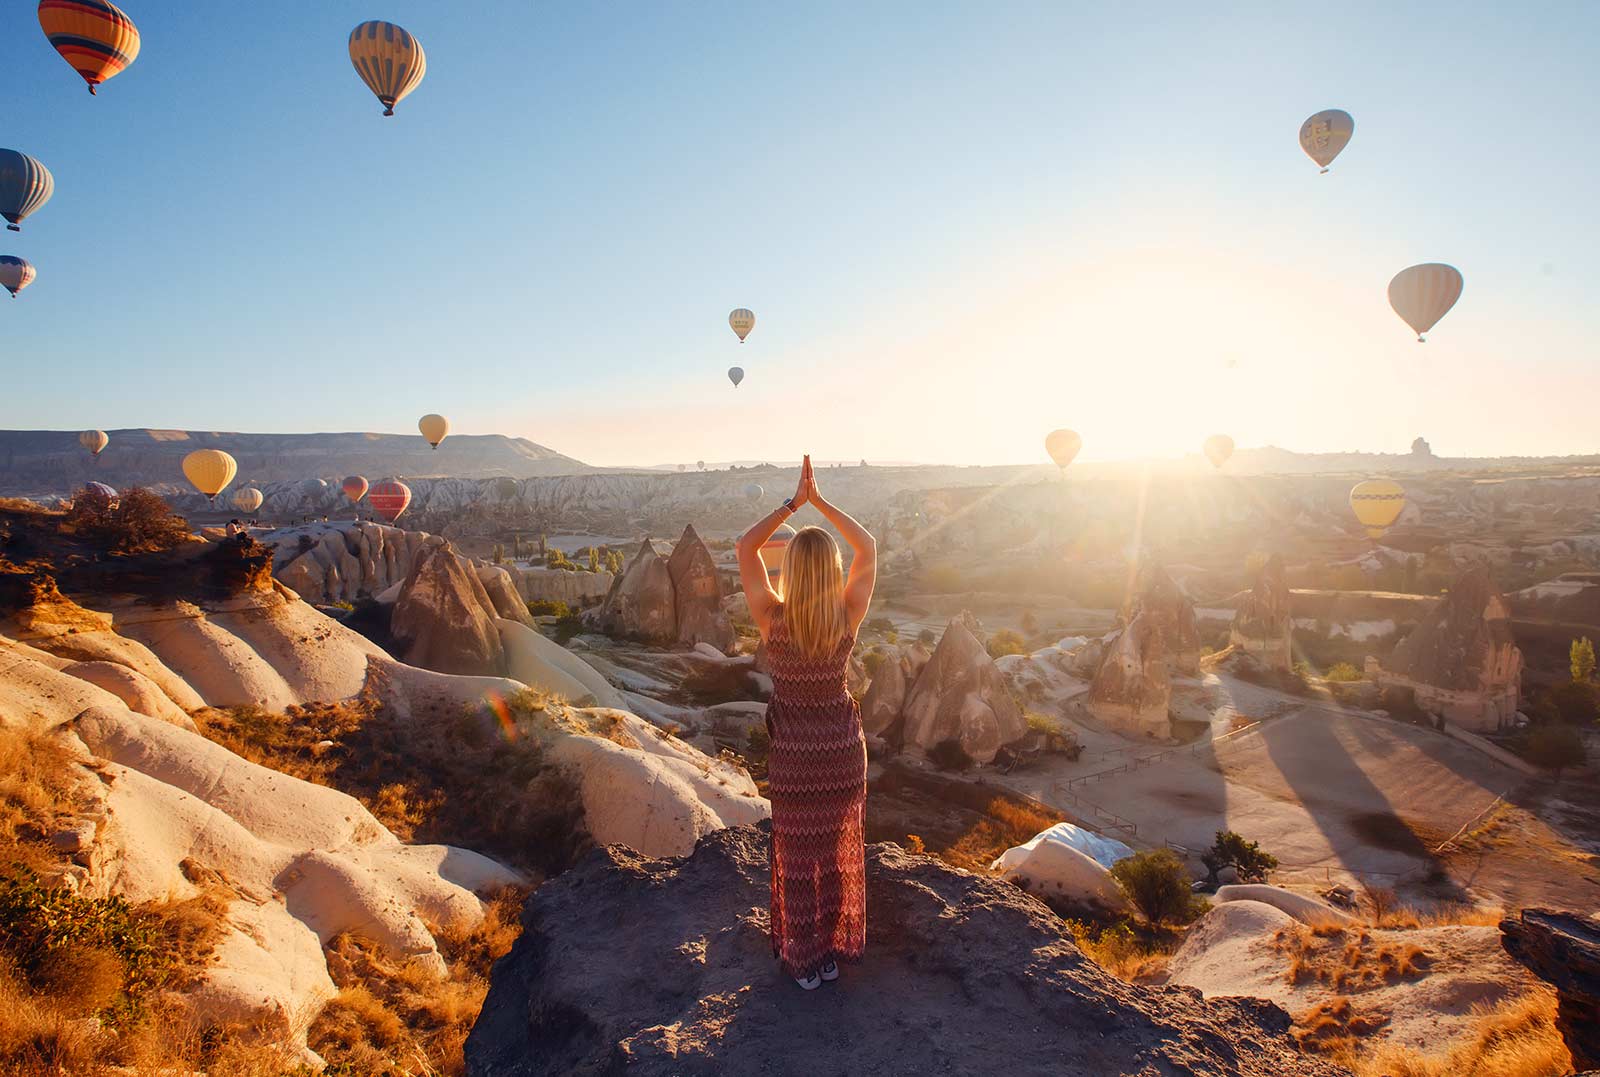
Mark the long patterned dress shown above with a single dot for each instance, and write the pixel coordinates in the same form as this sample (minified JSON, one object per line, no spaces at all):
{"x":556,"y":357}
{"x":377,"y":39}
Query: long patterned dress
{"x":817,"y":782}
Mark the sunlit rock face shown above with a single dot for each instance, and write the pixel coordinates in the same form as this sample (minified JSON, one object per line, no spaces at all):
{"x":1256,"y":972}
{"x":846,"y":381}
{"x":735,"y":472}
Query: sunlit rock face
{"x":1132,"y":688}
{"x":1461,"y":661}
{"x":961,"y":696}
{"x":640,"y":604}
{"x":444,"y":620}
{"x":697,"y":594}
{"x":1262,"y":624}
{"x":1168,"y":607}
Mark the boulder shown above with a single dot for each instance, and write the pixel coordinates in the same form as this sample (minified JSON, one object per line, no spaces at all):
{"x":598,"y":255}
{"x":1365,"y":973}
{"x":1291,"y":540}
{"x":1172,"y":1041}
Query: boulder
{"x":1263,"y":626}
{"x":1564,"y":949}
{"x":960,"y":969}
{"x":1220,"y":943}
{"x":640,"y":604}
{"x":697,"y":594}
{"x":1169,"y":608}
{"x":444,"y":620}
{"x":502,"y":592}
{"x":961,"y":697}
{"x":1308,"y":910}
{"x":885,"y":698}
{"x":1132,"y":688}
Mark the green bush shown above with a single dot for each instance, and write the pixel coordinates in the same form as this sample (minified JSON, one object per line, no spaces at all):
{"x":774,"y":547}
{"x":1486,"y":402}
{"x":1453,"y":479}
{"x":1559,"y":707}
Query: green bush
{"x":1245,"y":857}
{"x":549,"y":607}
{"x":870,"y":662}
{"x":1157,"y":884}
{"x":1343,"y":672}
{"x":1006,"y":642}
{"x":1555,"y":747}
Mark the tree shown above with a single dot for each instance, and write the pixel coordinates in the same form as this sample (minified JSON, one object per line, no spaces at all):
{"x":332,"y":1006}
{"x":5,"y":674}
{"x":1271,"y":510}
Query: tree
{"x":594,"y":559}
{"x":1030,"y":623}
{"x":1006,"y":642}
{"x":1245,"y":857}
{"x":1157,"y":884}
{"x":1582,"y":655}
{"x":614,"y":561}
{"x":499,"y":554}
{"x":1555,"y":747}
{"x":138,"y":521}
{"x":516,"y":547}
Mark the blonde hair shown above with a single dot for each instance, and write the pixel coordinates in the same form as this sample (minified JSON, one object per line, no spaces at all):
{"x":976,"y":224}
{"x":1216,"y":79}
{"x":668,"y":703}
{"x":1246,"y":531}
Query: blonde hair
{"x":812,"y":590}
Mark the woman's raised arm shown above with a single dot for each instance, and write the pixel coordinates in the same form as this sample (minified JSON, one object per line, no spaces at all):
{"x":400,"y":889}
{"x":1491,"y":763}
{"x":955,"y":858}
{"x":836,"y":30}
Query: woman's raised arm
{"x":758,"y":590}
{"x":863,"y":549}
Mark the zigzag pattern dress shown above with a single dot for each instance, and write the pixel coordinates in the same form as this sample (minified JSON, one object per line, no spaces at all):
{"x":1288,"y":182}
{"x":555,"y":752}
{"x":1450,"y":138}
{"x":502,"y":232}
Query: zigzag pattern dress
{"x":817,"y":782}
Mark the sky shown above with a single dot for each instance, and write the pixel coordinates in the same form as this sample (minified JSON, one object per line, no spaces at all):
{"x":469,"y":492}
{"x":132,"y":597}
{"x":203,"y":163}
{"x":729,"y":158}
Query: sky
{"x":960,"y":226}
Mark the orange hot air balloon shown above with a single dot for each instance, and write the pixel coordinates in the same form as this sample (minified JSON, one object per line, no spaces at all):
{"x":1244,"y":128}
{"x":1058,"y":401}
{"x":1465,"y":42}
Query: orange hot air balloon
{"x":97,"y":38}
{"x":435,"y":428}
{"x":1218,"y":448}
{"x":1063,"y":446}
{"x":354,"y":487}
{"x":389,"y":499}
{"x":209,"y":471}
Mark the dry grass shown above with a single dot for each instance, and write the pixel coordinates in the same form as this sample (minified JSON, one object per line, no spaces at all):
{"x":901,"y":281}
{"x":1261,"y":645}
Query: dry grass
{"x":1335,"y":1027}
{"x":1347,"y":958}
{"x":1516,"y":1039}
{"x":1125,"y":953}
{"x":1004,"y":823}
{"x":36,"y":789}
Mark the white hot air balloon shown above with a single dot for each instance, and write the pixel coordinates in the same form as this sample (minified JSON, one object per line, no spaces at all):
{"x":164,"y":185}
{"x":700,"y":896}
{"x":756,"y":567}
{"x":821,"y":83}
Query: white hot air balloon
{"x":1325,"y":134}
{"x":1422,"y":294}
{"x":753,"y":491}
{"x":742,"y":321}
{"x":736,"y":375}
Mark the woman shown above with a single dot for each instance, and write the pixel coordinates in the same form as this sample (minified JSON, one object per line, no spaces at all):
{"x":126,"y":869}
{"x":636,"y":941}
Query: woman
{"x":817,"y":766}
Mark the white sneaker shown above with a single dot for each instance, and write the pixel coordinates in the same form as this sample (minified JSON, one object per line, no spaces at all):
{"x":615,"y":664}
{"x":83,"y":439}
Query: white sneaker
{"x":829,"y":972}
{"x":810,"y":983}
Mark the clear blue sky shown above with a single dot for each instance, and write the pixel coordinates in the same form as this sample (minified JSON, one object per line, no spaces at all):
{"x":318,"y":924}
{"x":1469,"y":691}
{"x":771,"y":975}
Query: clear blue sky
{"x":959,"y":226}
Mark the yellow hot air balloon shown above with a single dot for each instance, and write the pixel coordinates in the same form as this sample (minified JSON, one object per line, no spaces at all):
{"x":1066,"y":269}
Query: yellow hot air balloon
{"x":1063,"y":446}
{"x":94,"y":440}
{"x":389,"y":60}
{"x":210,"y":471}
{"x":1422,"y":294}
{"x":1218,"y":448}
{"x":1377,"y":504}
{"x":742,"y":321}
{"x":435,"y":428}
{"x":1325,"y":134}
{"x":247,"y":500}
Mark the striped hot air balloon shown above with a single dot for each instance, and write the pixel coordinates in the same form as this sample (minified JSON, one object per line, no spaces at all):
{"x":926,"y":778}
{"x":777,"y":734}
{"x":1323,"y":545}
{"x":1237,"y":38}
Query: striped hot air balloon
{"x":247,"y":500}
{"x":741,"y":321}
{"x":94,"y":440}
{"x":389,"y":60}
{"x":16,"y":273}
{"x":95,"y":37}
{"x":354,"y":487}
{"x":1422,"y":294}
{"x":102,"y":489}
{"x":25,"y":185}
{"x":389,"y":499}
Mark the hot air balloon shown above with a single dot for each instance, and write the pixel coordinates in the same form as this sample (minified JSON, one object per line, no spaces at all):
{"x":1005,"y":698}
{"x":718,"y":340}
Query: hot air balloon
{"x":389,"y":60}
{"x":389,"y":499}
{"x":701,"y":464}
{"x":94,"y":440}
{"x":505,"y":488}
{"x":1325,"y":134}
{"x":25,"y":185}
{"x":434,"y":427}
{"x":247,"y":500}
{"x":754,"y":491}
{"x":736,"y":375}
{"x":313,"y":489}
{"x":1377,"y":504}
{"x":742,"y":322}
{"x":95,"y":37}
{"x":683,"y":467}
{"x":210,"y":471}
{"x":1422,"y":294}
{"x":1218,"y":448}
{"x":1063,"y":446}
{"x":102,"y":489}
{"x":354,"y":487}
{"x":16,"y":273}
{"x":772,"y":552}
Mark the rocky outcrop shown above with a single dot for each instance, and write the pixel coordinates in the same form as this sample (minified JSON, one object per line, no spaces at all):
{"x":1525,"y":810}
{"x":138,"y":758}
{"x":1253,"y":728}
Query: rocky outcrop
{"x":502,"y":591}
{"x":539,"y":584}
{"x":640,"y":604}
{"x":342,"y":561}
{"x":1263,"y":626}
{"x":679,"y":979}
{"x":444,"y":619}
{"x":1563,"y":949}
{"x":697,"y":594}
{"x":1461,"y":661}
{"x":1132,"y":688}
{"x":886,"y":698}
{"x":960,"y":698}
{"x":1168,"y":607}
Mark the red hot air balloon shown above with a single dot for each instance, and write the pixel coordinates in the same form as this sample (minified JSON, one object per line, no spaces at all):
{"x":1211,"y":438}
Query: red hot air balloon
{"x":354,"y":487}
{"x":389,"y":499}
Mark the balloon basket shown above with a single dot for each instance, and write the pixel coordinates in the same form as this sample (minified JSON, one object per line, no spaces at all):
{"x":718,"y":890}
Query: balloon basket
{"x":91,"y":90}
{"x":12,"y":228}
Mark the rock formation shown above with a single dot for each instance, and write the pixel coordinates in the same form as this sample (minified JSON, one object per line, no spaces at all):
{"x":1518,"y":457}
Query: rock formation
{"x":1263,"y":626}
{"x":640,"y":603}
{"x":961,"y":698}
{"x":503,"y":596}
{"x":444,"y":619}
{"x":663,"y":967}
{"x":1132,"y":688}
{"x":1563,"y":949}
{"x":697,"y":594}
{"x":1461,"y":660}
{"x":576,"y":589}
{"x":340,"y":562}
{"x":1168,"y":607}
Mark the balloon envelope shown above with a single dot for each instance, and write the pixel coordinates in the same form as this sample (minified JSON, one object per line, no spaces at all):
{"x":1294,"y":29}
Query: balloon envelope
{"x":736,"y":375}
{"x":16,"y":273}
{"x":94,"y":440}
{"x":94,"y":36}
{"x":389,"y":499}
{"x":209,"y":470}
{"x":773,"y":549}
{"x":1422,"y":294}
{"x":754,"y":491}
{"x":313,"y":488}
{"x":389,"y":60}
{"x":1377,"y":504}
{"x":102,"y":489}
{"x":1322,"y":136}
{"x":505,"y":488}
{"x":742,"y":321}
{"x":434,"y":427}
{"x":1218,"y":448}
{"x":248,"y":499}
{"x":1063,"y":446}
{"x":25,"y":185}
{"x":354,"y":487}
